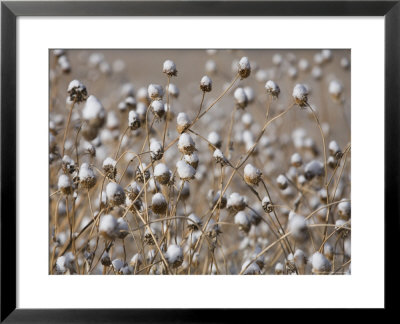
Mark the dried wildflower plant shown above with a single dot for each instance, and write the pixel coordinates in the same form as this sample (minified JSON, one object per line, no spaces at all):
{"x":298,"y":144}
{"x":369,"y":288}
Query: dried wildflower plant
{"x":238,"y":164}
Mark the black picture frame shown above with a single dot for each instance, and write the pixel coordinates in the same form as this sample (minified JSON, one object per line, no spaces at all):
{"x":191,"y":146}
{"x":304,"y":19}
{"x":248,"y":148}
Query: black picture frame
{"x":11,"y":10}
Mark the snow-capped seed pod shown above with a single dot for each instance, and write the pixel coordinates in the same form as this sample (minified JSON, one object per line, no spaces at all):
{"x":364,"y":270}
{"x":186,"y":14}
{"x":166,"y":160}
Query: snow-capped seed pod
{"x":141,"y":110}
{"x":326,"y":55}
{"x":122,"y":107}
{"x":252,"y":175}
{"x":115,"y":194}
{"x":133,"y":190}
{"x":320,"y":264}
{"x":66,"y":263}
{"x":174,"y":255}
{"x":272,"y":89}
{"x":148,"y":238}
{"x":64,"y":64}
{"x":182,"y":122}
{"x":133,"y":204}
{"x":205,"y":84}
{"x":87,"y":178}
{"x":211,"y":67}
{"x":122,"y":228}
{"x":185,"y":171}
{"x":173,"y":90}
{"x":334,"y":149}
{"x":277,"y":59}
{"x":243,"y":221}
{"x":215,"y":198}
{"x":328,"y":251}
{"x":162,"y":173}
{"x":127,"y":90}
{"x":58,"y":52}
{"x":290,"y":265}
{"x":64,"y":184}
{"x":267,"y":205}
{"x":335,"y":90}
{"x":332,"y":162}
{"x":301,"y":179}
{"x":296,"y":160}
{"x":130,"y":103}
{"x":279,"y":269}
{"x":133,"y":120}
{"x":77,"y":91}
{"x":155,"y":92}
{"x":240,"y":98}
{"x":282,"y":182}
{"x":300,"y":260}
{"x":153,"y":186}
{"x":94,"y":113}
{"x":186,"y":144}
{"x":304,"y":65}
{"x":219,"y":157}
{"x":244,"y":68}
{"x":158,"y":108}
{"x":341,"y":228}
{"x":213,"y":229}
{"x":112,"y":122}
{"x":300,"y":95}
{"x":250,"y":94}
{"x":68,"y":165}
{"x":194,"y":236}
{"x":159,"y":204}
{"x":185,"y":193}
{"x":344,"y":210}
{"x":142,"y":95}
{"x":313,"y":169}
{"x":142,"y":174}
{"x":292,"y":72}
{"x":252,"y":268}
{"x":316,"y":73}
{"x":215,"y":139}
{"x":108,"y":227}
{"x":236,"y":202}
{"x":156,"y":149}
{"x":109,"y":168}
{"x":105,"y":259}
{"x":194,"y":222}
{"x":323,"y":195}
{"x":345,"y":63}
{"x":136,"y":260}
{"x":117,"y":264}
{"x":247,"y":120}
{"x":298,"y":227}
{"x":192,"y":159}
{"x":169,"y":68}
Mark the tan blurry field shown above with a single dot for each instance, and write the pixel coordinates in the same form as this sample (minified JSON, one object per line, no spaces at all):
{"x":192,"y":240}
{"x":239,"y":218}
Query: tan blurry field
{"x":136,"y":170}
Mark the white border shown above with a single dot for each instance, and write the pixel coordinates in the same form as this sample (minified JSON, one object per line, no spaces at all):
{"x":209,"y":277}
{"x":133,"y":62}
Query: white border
{"x":364,"y":288}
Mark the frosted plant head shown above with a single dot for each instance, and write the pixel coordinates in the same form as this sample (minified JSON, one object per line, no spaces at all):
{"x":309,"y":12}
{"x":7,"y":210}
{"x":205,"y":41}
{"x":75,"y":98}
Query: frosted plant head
{"x":252,"y":175}
{"x":320,"y":264}
{"x":64,"y":184}
{"x":292,"y":72}
{"x":313,"y":169}
{"x":277,"y":59}
{"x":162,"y":173}
{"x":215,"y":198}
{"x":205,"y":84}
{"x":133,"y":120}
{"x":173,"y":90}
{"x":326,"y":55}
{"x":266,"y":204}
{"x":298,"y":227}
{"x":250,"y":94}
{"x":109,"y":168}
{"x":240,"y":98}
{"x":115,"y":194}
{"x":334,"y":150}
{"x":185,"y":171}
{"x":130,"y":102}
{"x":155,"y":91}
{"x":304,"y":65}
{"x":105,"y":259}
{"x":300,"y":95}
{"x":158,"y":203}
{"x":194,"y":222}
{"x":108,"y":227}
{"x":219,"y":157}
{"x":182,"y":122}
{"x":68,"y":165}
{"x":94,"y":113}
{"x":279,"y":269}
{"x":335,"y":90}
{"x":252,"y":268}
{"x":242,"y":219}
{"x":192,"y":159}
{"x":64,"y":64}
{"x":345,"y":63}
{"x":87,"y":178}
{"x":142,"y":173}
{"x":66,"y":263}
{"x":156,"y":149}
{"x":296,"y":160}
{"x":174,"y":255}
{"x":344,"y":210}
{"x":122,"y":228}
{"x":186,"y":144}
{"x":244,"y":68}
{"x":169,"y":68}
{"x":77,"y":91}
{"x":236,"y":202}
{"x":282,"y":182}
{"x":158,"y":108}
{"x":272,"y":89}
{"x":133,"y":190}
{"x":136,"y":260}
{"x":215,"y":139}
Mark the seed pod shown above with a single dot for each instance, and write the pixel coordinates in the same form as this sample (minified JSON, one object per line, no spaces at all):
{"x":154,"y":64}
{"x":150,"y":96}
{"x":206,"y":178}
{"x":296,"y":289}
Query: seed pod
{"x":141,"y":173}
{"x":77,"y":91}
{"x":185,"y":171}
{"x":174,"y":255}
{"x":169,"y":68}
{"x":300,"y":95}
{"x":109,"y":168}
{"x":340,"y":228}
{"x":158,"y":108}
{"x":244,"y":68}
{"x":155,"y":92}
{"x":133,"y":190}
{"x":68,"y":165}
{"x":186,"y":144}
{"x":156,"y":149}
{"x":182,"y":122}
{"x":87,"y":178}
{"x":240,"y":98}
{"x":133,"y":120}
{"x":298,"y":227}
{"x":214,"y":199}
{"x":192,"y":160}
{"x":94,"y":113}
{"x":105,"y":259}
{"x":122,"y":228}
{"x":320,"y":264}
{"x":64,"y":184}
{"x":252,"y":175}
{"x":115,"y":194}
{"x":215,"y":139}
{"x":332,"y":162}
{"x":162,"y":173}
{"x":313,"y":169}
{"x":272,"y":89}
{"x":344,"y":210}
{"x":205,"y":84}
{"x":334,"y":150}
{"x":252,"y":268}
{"x":279,"y":269}
{"x":236,"y":202}
{"x":108,"y":227}
{"x":219,"y":157}
{"x":159,"y":204}
{"x":173,"y":90}
{"x":282,"y":182}
{"x":296,"y":160}
{"x":335,"y":90}
{"x":267,"y":205}
{"x":194,"y":222}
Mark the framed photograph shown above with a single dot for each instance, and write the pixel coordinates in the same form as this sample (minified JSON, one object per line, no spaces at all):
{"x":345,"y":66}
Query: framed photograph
{"x":159,"y":158}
